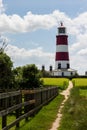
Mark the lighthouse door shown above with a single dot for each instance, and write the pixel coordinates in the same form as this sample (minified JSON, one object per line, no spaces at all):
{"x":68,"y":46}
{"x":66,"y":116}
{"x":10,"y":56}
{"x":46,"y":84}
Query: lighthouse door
{"x":62,"y":73}
{"x":68,"y":66}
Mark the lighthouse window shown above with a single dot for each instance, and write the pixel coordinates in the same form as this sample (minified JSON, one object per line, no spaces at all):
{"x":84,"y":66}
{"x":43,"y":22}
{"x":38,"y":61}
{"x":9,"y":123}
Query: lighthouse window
{"x":61,"y":30}
{"x":59,"y":65}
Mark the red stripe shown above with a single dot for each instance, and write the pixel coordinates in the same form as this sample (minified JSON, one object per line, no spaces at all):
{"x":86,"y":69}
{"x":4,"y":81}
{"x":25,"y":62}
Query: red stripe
{"x":61,"y":40}
{"x":62,"y":56}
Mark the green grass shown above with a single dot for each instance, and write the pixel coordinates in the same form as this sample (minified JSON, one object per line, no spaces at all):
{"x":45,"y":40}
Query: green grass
{"x":80,"y":82}
{"x":60,"y":82}
{"x":45,"y":117}
{"x":10,"y":119}
{"x":83,"y":92}
{"x":75,"y":111}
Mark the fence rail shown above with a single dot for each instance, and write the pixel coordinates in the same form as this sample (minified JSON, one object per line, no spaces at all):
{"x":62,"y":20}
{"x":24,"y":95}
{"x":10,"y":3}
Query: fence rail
{"x":24,"y":103}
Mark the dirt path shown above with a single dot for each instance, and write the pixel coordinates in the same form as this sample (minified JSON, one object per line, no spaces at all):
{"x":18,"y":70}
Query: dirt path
{"x":66,"y":93}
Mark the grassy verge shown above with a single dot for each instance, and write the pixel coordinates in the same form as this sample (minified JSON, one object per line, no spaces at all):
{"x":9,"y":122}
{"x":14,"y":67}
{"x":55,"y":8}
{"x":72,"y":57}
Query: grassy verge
{"x":45,"y":117}
{"x":83,"y":92}
{"x":80,"y":82}
{"x":75,"y":111}
{"x":60,"y":82}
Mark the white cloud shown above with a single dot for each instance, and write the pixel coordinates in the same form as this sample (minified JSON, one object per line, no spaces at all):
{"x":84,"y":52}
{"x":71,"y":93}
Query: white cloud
{"x":78,"y":53}
{"x":22,"y":56}
{"x":83,"y":52}
{"x":31,"y":22}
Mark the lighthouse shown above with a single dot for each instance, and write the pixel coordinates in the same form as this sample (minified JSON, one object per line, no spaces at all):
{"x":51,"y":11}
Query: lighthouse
{"x":62,"y":62}
{"x":62,"y":54}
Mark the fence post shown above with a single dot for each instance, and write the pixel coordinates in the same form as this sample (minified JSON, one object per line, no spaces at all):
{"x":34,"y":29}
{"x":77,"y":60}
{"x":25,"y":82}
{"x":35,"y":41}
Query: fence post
{"x":17,"y":115}
{"x":4,"y":121}
{"x":26,"y":107}
{"x":41,"y":97}
{"x":4,"y":118}
{"x":18,"y":101}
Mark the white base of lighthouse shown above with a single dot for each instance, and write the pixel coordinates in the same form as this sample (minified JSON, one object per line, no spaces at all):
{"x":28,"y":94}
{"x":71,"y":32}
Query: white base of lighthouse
{"x":64,"y":72}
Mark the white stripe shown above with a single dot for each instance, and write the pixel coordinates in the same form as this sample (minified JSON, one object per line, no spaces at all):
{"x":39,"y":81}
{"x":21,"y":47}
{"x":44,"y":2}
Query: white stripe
{"x":61,"y":48}
{"x":63,"y":64}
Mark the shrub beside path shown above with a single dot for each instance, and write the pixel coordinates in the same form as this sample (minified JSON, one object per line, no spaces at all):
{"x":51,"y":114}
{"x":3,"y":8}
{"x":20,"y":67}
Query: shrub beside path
{"x":66,"y":93}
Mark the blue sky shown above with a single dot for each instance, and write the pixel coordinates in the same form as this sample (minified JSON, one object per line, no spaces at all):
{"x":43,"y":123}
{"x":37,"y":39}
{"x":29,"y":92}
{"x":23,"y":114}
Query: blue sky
{"x":30,"y":28}
{"x":21,"y":7}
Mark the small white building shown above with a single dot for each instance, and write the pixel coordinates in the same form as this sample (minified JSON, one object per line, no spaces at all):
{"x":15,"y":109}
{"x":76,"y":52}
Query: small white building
{"x":86,"y":73}
{"x":64,"y":72}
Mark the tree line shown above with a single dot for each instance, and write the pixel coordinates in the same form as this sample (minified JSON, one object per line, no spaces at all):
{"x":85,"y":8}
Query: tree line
{"x":22,"y":77}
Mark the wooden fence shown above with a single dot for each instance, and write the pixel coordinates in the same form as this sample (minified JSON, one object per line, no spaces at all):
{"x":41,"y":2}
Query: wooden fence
{"x":23,"y":104}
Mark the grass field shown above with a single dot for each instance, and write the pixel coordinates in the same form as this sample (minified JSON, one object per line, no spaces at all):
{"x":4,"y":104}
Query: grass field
{"x":60,"y":82}
{"x":80,"y":82}
{"x":83,"y":92}
{"x":75,"y":111}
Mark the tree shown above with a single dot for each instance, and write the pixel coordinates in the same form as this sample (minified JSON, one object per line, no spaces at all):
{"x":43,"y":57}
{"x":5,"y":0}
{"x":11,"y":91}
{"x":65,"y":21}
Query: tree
{"x":18,"y":76}
{"x":6,"y":75}
{"x":45,"y":73}
{"x":31,"y":77}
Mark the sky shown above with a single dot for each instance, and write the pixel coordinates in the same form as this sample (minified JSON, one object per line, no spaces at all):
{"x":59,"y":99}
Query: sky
{"x":29,"y":28}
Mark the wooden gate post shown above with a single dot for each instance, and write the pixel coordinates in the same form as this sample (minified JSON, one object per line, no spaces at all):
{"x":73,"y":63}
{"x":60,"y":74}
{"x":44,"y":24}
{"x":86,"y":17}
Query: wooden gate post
{"x":4,"y":121}
{"x":18,"y":101}
{"x":17,"y":115}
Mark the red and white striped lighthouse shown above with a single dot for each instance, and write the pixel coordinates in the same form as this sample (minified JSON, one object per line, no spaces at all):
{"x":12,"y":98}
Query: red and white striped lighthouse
{"x":62,"y":54}
{"x":62,"y":65}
